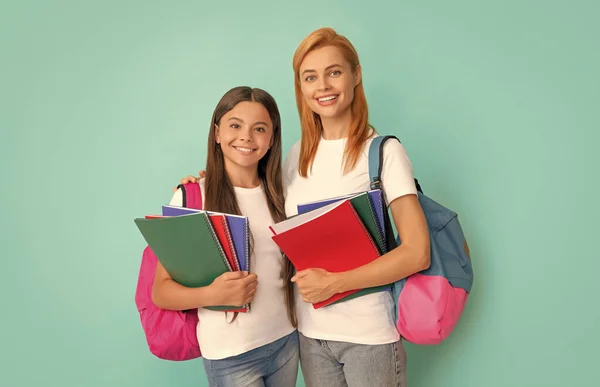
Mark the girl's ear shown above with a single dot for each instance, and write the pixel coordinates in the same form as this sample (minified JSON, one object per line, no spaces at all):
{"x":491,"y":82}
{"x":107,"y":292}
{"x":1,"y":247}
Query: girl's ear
{"x":217,"y":136}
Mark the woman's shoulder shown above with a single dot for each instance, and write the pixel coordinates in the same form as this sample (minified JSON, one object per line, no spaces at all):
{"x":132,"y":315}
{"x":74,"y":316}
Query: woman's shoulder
{"x":391,"y":147}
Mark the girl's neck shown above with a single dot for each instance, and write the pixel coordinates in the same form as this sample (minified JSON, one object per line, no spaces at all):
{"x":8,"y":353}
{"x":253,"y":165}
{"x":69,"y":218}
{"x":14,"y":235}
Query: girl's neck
{"x":242,"y":177}
{"x":335,"y":128}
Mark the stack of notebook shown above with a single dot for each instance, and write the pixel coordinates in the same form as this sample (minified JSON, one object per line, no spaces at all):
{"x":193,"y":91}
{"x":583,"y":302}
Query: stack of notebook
{"x":337,"y":234}
{"x":195,"y":246}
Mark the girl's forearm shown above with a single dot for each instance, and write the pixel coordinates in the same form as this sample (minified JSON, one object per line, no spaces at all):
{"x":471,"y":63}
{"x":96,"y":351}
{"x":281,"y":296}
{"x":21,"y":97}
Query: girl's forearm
{"x":168,"y":294}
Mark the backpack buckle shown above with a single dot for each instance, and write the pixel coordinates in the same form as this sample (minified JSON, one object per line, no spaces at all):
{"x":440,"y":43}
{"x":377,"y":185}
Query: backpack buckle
{"x":376,"y":183}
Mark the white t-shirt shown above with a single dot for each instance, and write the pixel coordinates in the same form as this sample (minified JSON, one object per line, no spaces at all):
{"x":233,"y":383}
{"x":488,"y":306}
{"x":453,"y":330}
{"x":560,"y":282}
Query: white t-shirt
{"x":268,"y":319}
{"x":368,"y":319}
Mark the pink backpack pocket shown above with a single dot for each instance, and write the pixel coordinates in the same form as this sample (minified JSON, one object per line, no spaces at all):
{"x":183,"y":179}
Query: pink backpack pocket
{"x":431,"y":308}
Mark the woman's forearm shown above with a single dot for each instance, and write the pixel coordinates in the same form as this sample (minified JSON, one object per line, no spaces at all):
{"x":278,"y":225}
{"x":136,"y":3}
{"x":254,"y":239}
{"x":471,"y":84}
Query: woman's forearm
{"x":389,"y":268}
{"x":412,"y":256}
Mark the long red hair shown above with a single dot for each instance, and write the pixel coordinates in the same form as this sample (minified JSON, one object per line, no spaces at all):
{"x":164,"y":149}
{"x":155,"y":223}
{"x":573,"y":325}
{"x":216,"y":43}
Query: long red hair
{"x":310,"y":122}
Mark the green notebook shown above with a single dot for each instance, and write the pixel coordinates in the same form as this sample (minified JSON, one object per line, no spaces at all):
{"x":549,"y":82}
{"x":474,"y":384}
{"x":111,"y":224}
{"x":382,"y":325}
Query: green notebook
{"x":362,"y":206}
{"x":188,"y":248}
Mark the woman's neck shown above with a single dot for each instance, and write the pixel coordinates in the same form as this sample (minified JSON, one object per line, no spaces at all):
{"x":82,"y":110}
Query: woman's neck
{"x":335,"y":128}
{"x":242,"y":177}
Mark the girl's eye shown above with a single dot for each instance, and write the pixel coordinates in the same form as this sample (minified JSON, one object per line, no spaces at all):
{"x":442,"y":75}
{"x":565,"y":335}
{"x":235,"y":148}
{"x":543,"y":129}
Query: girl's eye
{"x":260,"y":129}
{"x":235,"y":126}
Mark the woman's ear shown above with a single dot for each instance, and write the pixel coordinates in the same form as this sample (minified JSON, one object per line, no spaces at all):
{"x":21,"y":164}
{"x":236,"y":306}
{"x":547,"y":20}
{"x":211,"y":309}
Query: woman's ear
{"x":357,"y":76}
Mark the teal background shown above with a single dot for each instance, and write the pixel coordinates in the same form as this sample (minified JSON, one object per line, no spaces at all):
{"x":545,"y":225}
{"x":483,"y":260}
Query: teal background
{"x":105,"y":105}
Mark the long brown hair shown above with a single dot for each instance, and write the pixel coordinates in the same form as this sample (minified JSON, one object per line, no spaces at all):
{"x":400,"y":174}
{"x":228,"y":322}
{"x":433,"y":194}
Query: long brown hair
{"x":220,"y":194}
{"x":310,"y":122}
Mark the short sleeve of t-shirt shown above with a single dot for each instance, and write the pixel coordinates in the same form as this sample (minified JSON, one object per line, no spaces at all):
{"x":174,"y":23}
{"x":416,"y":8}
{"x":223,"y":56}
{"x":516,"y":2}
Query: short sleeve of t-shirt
{"x":397,"y":174}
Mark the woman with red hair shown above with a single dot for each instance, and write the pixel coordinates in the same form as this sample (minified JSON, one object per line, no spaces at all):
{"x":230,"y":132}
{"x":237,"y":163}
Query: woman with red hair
{"x":352,"y":343}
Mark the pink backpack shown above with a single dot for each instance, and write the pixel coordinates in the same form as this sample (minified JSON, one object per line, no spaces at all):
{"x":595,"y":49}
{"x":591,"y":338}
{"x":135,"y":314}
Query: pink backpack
{"x":171,"y":335}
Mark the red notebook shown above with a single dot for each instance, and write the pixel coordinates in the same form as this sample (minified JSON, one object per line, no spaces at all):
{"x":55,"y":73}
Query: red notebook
{"x":221,"y":228}
{"x":219,"y":223}
{"x":332,"y":238}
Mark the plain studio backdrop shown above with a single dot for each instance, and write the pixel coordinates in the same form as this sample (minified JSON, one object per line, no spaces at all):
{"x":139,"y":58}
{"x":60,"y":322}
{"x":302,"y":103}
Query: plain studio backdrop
{"x":105,"y":105}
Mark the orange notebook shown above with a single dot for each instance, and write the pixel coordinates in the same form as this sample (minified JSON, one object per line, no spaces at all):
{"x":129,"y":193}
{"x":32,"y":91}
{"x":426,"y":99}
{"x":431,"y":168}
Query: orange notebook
{"x":332,"y":238}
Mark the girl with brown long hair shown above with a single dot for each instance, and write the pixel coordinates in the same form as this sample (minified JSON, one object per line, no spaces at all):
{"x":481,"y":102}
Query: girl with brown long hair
{"x":243,"y":176}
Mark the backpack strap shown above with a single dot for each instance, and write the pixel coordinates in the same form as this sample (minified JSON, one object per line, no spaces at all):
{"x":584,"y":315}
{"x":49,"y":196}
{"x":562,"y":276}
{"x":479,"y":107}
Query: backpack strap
{"x":375,"y":168}
{"x":376,"y":162}
{"x":192,"y":195}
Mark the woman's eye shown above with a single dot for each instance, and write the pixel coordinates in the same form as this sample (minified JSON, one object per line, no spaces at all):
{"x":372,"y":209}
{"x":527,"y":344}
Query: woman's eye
{"x":310,"y":78}
{"x":335,"y":73}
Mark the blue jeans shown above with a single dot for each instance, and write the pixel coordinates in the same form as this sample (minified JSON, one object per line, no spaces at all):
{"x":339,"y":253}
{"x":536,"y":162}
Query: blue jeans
{"x":272,"y":365}
{"x":338,"y":364}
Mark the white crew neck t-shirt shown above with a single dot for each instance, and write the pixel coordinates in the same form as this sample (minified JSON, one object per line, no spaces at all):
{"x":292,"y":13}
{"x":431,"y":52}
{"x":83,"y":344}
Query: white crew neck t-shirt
{"x":268,"y":319}
{"x":367,"y":319}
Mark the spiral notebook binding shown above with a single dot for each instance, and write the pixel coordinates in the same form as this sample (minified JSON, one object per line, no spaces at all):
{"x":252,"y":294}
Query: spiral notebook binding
{"x":213,"y":234}
{"x":381,"y":226}
{"x":247,"y":247}
{"x":374,"y":218}
{"x":230,"y":242}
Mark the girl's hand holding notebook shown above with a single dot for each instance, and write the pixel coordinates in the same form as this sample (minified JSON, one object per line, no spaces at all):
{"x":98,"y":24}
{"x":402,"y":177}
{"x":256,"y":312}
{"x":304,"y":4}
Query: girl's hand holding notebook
{"x":234,"y":288}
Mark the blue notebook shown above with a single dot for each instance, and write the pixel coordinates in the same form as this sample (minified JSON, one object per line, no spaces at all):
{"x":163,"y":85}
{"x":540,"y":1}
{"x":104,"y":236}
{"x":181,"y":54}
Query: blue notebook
{"x":238,"y":227}
{"x":375,"y":197}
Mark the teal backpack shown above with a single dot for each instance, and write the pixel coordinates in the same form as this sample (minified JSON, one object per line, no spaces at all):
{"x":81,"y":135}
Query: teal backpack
{"x":429,"y":303}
